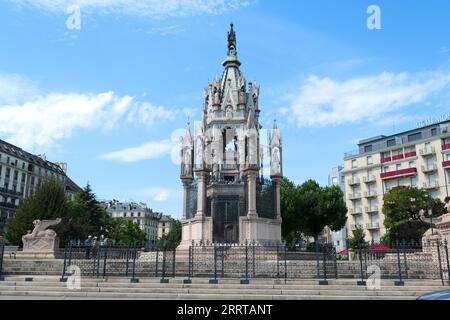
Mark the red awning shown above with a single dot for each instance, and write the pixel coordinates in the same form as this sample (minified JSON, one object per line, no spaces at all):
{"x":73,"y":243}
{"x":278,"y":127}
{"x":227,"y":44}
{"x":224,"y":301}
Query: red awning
{"x":344,"y":252}
{"x":379,"y":247}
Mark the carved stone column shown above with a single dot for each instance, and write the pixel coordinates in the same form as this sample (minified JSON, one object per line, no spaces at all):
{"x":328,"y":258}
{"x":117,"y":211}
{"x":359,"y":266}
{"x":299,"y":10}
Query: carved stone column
{"x":251,"y":192}
{"x":186,"y":188}
{"x":201,"y":193}
{"x":276,"y":181}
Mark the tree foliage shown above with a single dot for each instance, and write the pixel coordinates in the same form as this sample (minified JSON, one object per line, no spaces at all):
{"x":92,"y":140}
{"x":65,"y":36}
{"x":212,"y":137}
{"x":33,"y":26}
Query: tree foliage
{"x":308,"y":208}
{"x":124,"y":230}
{"x":48,"y":202}
{"x":403,"y":207}
{"x":173,"y":237}
{"x":81,"y":217}
{"x":358,"y":239}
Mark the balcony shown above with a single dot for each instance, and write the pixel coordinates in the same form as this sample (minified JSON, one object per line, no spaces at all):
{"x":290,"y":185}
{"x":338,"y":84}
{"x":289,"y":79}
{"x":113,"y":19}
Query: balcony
{"x":372,"y":226}
{"x":354,"y":196}
{"x":428,"y":169}
{"x":370,"y":194}
{"x":371,"y":209}
{"x":446,"y":164}
{"x":354,"y":226}
{"x":384,"y":160}
{"x":353,"y":181}
{"x":428,"y":151}
{"x":355,"y":211}
{"x":370,"y":178}
{"x":431,"y":185}
{"x":399,"y":157}
{"x":446,"y":147}
{"x":398,"y":173}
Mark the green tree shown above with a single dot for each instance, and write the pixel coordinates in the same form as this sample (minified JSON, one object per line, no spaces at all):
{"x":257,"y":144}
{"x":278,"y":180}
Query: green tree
{"x":121,"y":229}
{"x":173,"y":237}
{"x":291,"y":220}
{"x":49,"y":201}
{"x":308,"y":208}
{"x":358,"y":239}
{"x":403,"y":208}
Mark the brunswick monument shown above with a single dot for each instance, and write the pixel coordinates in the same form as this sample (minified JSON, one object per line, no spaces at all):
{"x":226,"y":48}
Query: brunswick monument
{"x":226,"y":197}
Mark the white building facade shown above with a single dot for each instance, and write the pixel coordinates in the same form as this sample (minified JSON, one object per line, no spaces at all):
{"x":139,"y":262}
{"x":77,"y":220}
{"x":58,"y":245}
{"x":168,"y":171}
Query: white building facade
{"x":20,"y":174}
{"x":139,"y":213}
{"x":419,"y":158}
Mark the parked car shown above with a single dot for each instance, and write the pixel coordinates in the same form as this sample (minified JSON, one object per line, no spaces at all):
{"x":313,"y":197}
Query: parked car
{"x":438,"y":295}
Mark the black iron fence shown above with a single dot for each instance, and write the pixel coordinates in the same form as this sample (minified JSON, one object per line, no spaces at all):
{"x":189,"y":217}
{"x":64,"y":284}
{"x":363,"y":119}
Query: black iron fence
{"x":121,"y":260}
{"x":214,"y":261}
{"x":2,"y":251}
{"x":401,"y":260}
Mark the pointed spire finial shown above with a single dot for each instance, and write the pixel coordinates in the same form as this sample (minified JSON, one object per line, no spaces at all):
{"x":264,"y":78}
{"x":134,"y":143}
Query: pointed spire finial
{"x":231,"y":41}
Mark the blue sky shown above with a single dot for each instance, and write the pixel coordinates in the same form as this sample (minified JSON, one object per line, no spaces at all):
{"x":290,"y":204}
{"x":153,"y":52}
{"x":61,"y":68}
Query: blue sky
{"x":112,"y":97}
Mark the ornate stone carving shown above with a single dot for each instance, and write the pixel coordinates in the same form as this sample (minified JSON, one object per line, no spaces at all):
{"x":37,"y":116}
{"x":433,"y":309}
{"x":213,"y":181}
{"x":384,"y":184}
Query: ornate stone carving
{"x":41,"y":240}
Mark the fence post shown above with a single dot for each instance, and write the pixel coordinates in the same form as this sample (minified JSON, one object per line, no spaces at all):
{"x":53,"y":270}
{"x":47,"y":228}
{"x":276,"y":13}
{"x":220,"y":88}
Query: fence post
{"x":104,"y":259}
{"x":278,"y":260}
{"x":245,"y":281}
{"x":157,"y":262}
{"x":163,"y":279}
{"x":285,"y":264}
{"x":63,"y":277}
{"x":324,"y":281}
{"x":2,"y":251}
{"x":440,"y":262}
{"x":134,"y":279}
{"x":317,"y":260}
{"x":174,"y":265}
{"x":448,"y":262}
{"x":361,"y":282}
{"x":214,"y":281}
{"x":254,"y":259}
{"x":405,"y":258}
{"x":127,"y":259}
{"x":399,"y":265}
{"x":188,"y":280}
{"x":335,"y":263}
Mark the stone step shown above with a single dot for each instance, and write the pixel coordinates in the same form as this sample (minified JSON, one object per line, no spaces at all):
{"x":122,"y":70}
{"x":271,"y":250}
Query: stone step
{"x":176,"y":291}
{"x":242,"y":288}
{"x":135,"y":296}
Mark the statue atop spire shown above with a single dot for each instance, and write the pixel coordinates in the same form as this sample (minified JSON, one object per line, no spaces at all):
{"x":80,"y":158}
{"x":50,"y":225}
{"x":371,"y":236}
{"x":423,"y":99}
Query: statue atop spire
{"x":231,"y":41}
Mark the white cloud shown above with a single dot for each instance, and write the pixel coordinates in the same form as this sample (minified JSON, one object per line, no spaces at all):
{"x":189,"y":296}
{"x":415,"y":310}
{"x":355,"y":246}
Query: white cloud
{"x":36,"y":120}
{"x":149,"y":150}
{"x":159,"y":194}
{"x":324,"y":101}
{"x":151,"y":8}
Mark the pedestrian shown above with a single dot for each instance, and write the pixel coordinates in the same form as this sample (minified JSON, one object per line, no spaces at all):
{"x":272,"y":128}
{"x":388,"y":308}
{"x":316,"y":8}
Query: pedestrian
{"x":88,"y":244}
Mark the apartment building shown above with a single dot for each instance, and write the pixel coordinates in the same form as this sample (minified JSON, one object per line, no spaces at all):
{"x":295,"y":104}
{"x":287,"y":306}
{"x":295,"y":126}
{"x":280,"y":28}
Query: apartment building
{"x":338,"y":238}
{"x":21,"y":173}
{"x":419,"y":158}
{"x":138,"y":213}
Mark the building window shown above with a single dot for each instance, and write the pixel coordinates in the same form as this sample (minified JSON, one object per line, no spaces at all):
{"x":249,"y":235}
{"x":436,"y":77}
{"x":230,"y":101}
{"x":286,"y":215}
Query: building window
{"x":415,"y":136}
{"x":412,"y":164}
{"x":354,"y":164}
{"x":386,"y":169}
{"x":368,"y":148}
{"x":433,"y":131}
{"x":390,"y":143}
{"x":413,"y":181}
{"x":398,"y":166}
{"x":369,"y":160}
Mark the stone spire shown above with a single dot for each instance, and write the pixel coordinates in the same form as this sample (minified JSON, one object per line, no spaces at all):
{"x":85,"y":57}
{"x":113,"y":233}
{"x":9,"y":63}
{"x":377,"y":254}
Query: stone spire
{"x":187,"y":150}
{"x":276,"y":162}
{"x":232,"y":41}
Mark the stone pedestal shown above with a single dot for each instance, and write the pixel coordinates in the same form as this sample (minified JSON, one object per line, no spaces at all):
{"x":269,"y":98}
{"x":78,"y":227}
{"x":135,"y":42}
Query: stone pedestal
{"x":39,"y":248}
